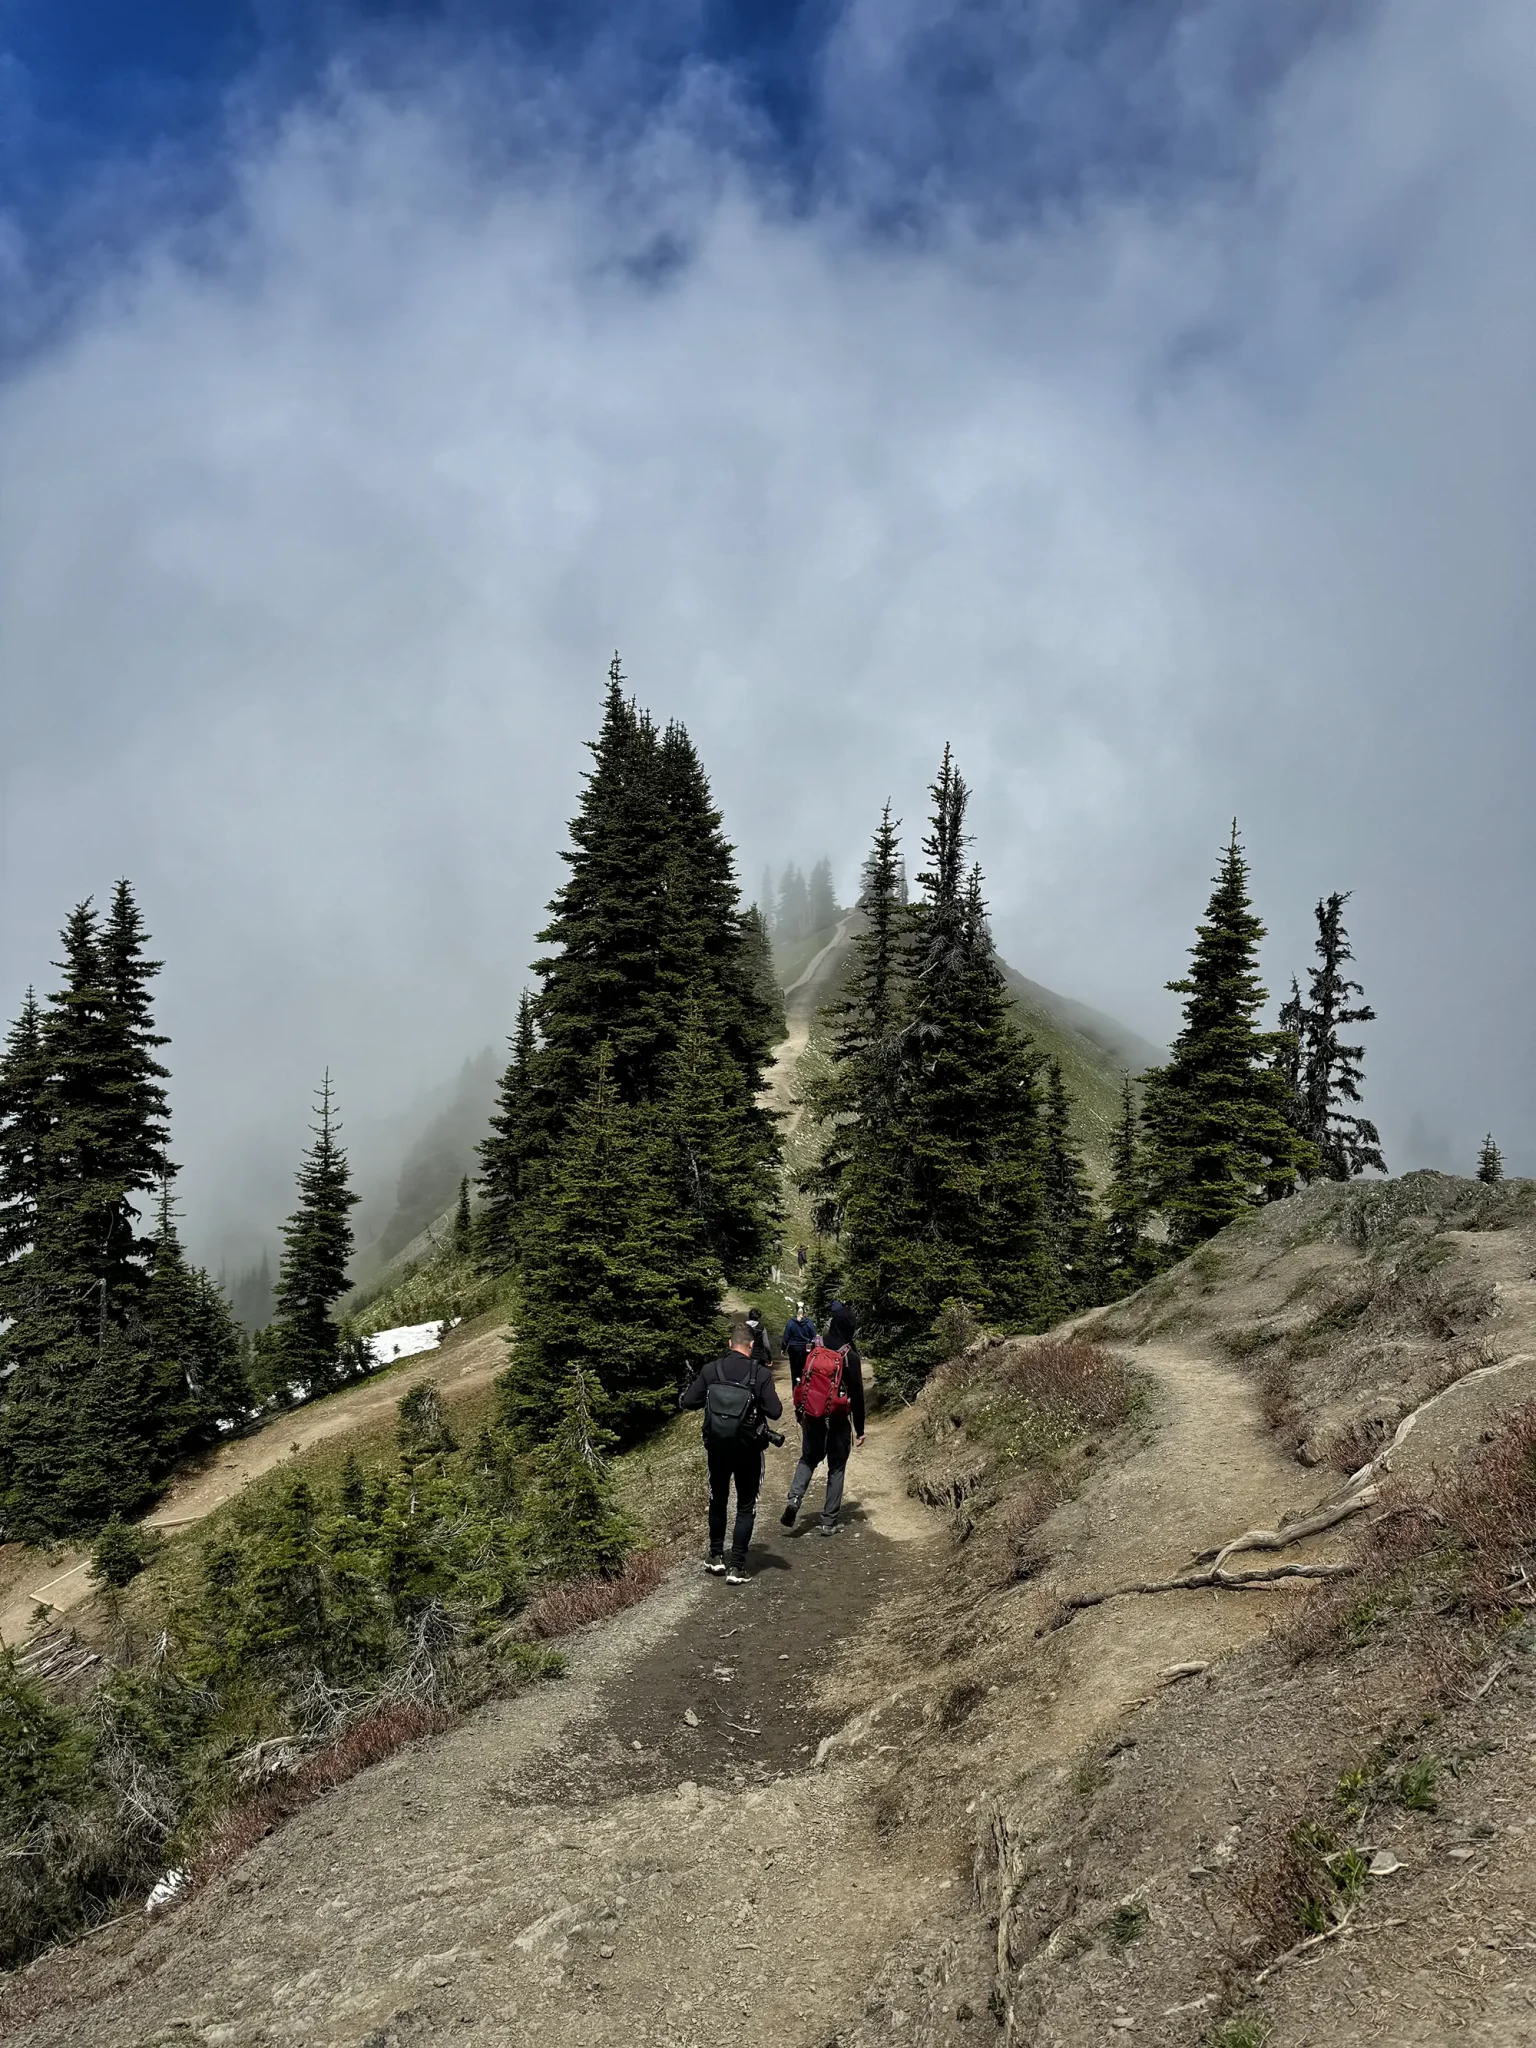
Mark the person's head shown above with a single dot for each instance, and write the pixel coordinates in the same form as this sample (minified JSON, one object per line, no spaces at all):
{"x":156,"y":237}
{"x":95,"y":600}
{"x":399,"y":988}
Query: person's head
{"x":754,"y":1316}
{"x":840,"y":1325}
{"x":741,"y":1338}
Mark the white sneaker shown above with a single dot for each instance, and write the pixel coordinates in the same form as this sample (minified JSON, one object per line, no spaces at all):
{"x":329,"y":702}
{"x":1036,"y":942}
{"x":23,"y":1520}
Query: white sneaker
{"x":715,"y":1565}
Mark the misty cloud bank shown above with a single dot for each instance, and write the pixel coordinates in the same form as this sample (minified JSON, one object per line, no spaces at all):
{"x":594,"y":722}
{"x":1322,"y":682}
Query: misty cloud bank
{"x":318,"y":526}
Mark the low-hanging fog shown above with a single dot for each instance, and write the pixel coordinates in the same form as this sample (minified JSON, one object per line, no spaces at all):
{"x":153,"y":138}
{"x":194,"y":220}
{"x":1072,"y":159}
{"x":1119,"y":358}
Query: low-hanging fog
{"x":1200,"y":490}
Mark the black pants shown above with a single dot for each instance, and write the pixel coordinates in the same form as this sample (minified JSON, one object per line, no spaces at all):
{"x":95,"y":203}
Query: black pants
{"x":741,"y":1464}
{"x":795,"y":1353}
{"x":829,"y":1437}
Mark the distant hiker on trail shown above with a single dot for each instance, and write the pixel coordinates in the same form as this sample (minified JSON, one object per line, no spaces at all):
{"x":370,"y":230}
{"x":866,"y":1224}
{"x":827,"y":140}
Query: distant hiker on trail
{"x":762,"y":1343}
{"x":739,"y":1400}
{"x":799,"y":1336}
{"x":829,"y":1401}
{"x":800,"y":1256}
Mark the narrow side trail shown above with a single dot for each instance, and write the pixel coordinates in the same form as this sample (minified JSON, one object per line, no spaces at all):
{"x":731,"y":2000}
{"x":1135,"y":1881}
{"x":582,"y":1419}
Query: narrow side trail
{"x":1209,"y":1470}
{"x":460,"y":1369}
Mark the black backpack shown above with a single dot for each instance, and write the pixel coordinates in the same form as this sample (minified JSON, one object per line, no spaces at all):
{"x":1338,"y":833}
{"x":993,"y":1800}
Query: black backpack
{"x":732,"y":1414}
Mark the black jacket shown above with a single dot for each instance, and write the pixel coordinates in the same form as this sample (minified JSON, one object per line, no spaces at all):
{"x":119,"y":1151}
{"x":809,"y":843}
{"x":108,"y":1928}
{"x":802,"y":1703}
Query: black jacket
{"x":740,"y":1372}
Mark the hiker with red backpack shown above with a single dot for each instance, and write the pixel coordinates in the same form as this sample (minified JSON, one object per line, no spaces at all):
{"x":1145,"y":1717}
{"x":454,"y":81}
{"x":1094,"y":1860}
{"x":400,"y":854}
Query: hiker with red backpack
{"x":739,"y":1401}
{"x":829,"y":1401}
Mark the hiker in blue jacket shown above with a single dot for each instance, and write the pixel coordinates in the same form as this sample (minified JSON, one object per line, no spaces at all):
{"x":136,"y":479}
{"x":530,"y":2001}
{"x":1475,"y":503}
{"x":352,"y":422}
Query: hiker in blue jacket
{"x":739,"y":1401}
{"x":799,"y":1336}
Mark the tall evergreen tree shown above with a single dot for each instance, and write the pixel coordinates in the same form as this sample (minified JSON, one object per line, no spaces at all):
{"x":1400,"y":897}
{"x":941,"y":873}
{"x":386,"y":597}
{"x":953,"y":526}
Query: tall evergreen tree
{"x":301,"y":1345}
{"x":82,"y":1140}
{"x":794,"y":914}
{"x":515,"y":1156}
{"x":613,"y":1277}
{"x":821,"y":898}
{"x":1217,"y":1116}
{"x":956,"y":1209}
{"x":855,"y":1100}
{"x":757,"y":957}
{"x":192,"y":1345}
{"x":26,"y":1119}
{"x":648,"y":922}
{"x":1069,"y":1212}
{"x":1490,"y":1162}
{"x":1327,"y":1073}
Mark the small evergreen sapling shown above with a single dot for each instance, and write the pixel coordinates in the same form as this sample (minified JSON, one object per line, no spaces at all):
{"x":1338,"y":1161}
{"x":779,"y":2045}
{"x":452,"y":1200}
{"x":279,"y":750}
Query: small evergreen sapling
{"x":1490,"y":1162}
{"x":579,"y":1530}
{"x":118,"y":1555}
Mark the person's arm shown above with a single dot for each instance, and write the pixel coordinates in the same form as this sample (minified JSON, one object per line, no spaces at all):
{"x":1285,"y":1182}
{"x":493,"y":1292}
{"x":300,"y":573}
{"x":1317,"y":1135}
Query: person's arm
{"x":768,"y":1394}
{"x":853,"y":1382}
{"x":692,"y":1395}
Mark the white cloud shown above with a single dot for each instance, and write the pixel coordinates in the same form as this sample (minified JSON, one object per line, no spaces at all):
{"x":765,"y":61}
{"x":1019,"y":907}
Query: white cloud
{"x":313,"y":551}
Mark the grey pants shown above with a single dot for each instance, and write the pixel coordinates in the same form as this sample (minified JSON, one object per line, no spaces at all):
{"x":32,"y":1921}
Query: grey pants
{"x":829,"y":1437}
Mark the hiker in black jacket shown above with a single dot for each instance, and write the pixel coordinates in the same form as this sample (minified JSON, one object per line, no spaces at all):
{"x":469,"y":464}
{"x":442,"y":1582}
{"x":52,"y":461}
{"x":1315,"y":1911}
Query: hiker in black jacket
{"x":799,"y":1336}
{"x":831,"y":1436}
{"x":762,"y":1343}
{"x":739,"y":1400}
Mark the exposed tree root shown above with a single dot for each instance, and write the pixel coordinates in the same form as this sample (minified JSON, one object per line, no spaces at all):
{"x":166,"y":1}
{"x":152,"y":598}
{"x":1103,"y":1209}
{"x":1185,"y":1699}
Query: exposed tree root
{"x":1382,"y":1460}
{"x":1292,"y":1532}
{"x":1315,"y":1941}
{"x":1194,"y":1582}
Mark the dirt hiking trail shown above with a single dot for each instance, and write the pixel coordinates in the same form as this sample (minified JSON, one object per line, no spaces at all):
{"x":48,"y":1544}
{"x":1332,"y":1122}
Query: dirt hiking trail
{"x":459,"y":1369}
{"x":681,"y":1842}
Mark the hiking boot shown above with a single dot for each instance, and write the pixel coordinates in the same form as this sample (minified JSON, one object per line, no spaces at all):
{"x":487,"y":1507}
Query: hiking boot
{"x":738,"y":1575}
{"x":830,"y":1528}
{"x":714,"y":1563}
{"x":791,"y":1509}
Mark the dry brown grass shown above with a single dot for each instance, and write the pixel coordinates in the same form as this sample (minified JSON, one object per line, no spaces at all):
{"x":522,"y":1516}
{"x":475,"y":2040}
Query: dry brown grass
{"x":580,"y":1601}
{"x":1355,"y":1444}
{"x":1443,"y":1561}
{"x":366,"y":1743}
{"x":1071,"y":1374}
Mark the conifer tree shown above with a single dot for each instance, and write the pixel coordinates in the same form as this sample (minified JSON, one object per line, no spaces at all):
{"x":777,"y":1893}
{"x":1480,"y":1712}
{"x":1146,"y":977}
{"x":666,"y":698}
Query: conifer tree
{"x":599,"y":974}
{"x":649,"y":921}
{"x":821,"y":898}
{"x":580,"y":1532}
{"x":1128,"y":1258}
{"x":82,"y":1139}
{"x":515,"y":1156}
{"x":1068,"y":1198}
{"x":763,"y":982}
{"x":855,"y":1099}
{"x":1217,"y":1116}
{"x":26,"y":1119}
{"x":1324,"y":1073}
{"x":956,"y":1212}
{"x":1490,"y":1162}
{"x":794,"y":913}
{"x":613,"y":1277}
{"x":463,"y":1221}
{"x":193,"y":1345}
{"x":301,"y":1345}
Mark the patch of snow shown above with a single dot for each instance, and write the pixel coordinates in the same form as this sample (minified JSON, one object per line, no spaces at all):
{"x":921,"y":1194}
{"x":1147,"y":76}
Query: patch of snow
{"x":170,"y":1891}
{"x":385,"y":1346}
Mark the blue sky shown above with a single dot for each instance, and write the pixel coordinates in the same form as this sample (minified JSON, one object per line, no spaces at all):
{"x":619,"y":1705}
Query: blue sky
{"x":1136,"y":395}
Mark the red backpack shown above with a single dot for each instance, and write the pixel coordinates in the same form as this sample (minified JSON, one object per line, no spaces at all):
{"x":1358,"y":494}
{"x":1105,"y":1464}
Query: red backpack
{"x":820,"y":1390}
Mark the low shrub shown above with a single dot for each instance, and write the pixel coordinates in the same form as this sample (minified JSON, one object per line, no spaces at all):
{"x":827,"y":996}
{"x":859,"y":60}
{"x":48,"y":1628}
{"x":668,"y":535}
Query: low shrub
{"x":574,"y":1604}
